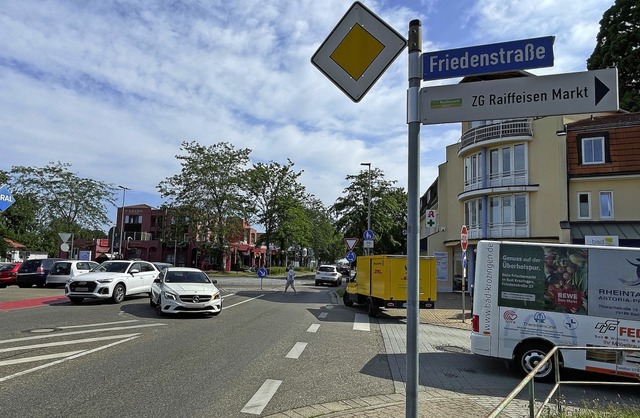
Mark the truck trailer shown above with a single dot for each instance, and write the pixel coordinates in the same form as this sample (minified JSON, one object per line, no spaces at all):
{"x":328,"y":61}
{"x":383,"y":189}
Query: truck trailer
{"x":381,"y":282}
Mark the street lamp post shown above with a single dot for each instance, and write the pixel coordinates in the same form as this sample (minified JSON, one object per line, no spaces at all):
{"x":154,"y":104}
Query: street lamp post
{"x":368,"y":201}
{"x":124,"y":192}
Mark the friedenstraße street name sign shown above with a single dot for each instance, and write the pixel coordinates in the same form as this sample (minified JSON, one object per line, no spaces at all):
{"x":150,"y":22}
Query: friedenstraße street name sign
{"x":562,"y":94}
{"x":6,"y":199}
{"x":358,"y":50}
{"x":484,"y":59}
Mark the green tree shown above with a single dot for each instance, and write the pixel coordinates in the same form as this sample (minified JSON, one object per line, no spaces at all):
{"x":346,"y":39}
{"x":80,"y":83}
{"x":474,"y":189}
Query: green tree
{"x":388,"y":211}
{"x":272,"y":189}
{"x":618,"y":45}
{"x":52,"y":199}
{"x":326,"y":243}
{"x":209,"y":191}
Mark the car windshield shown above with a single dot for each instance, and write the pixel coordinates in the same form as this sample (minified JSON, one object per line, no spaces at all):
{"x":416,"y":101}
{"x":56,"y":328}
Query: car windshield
{"x":61,"y":268}
{"x":186,"y":277}
{"x":327,"y":269}
{"x":6,"y":267}
{"x":112,"y":267}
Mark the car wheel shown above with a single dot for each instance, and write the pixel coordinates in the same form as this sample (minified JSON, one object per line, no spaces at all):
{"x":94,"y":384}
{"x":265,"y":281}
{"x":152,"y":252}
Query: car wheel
{"x":23,"y":286}
{"x":346,"y":299}
{"x":118,"y":293}
{"x":76,"y":300}
{"x":372,"y":309}
{"x":158,"y":306}
{"x":528,"y":358}
{"x":317,"y":283}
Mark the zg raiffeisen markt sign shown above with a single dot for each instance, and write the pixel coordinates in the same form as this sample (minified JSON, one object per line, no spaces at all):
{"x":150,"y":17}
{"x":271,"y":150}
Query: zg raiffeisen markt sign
{"x":358,"y":51}
{"x":562,"y":94}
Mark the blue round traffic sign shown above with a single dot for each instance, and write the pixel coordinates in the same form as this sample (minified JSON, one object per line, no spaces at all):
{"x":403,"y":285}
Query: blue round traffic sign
{"x":368,"y":234}
{"x":351,"y":256}
{"x":262,"y":272}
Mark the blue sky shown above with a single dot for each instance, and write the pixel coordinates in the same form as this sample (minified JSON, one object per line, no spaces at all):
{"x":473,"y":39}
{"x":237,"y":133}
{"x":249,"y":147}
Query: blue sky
{"x":114,"y":87}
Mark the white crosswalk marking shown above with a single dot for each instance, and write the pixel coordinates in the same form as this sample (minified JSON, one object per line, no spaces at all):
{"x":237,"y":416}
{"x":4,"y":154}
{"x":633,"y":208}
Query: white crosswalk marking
{"x":59,"y":343}
{"x":296,"y":350}
{"x":262,"y":397}
{"x":39,"y":358}
{"x":361,"y":323}
{"x":313,"y":328}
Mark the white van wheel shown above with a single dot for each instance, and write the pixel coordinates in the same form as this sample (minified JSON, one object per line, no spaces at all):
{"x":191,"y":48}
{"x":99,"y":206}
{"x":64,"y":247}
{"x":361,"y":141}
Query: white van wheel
{"x":528,"y":358}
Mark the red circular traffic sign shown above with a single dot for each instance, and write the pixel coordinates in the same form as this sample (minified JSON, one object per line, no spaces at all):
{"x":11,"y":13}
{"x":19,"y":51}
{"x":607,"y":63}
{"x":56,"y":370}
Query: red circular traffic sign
{"x":464,"y":238}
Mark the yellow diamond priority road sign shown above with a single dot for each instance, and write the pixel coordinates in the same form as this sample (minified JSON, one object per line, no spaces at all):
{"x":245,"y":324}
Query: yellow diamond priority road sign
{"x":358,"y":51}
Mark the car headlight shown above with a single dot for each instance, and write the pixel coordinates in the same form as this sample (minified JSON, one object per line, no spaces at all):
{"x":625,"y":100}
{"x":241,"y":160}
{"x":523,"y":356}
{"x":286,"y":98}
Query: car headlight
{"x":216,"y":296}
{"x":171,"y":296}
{"x":104,"y":280}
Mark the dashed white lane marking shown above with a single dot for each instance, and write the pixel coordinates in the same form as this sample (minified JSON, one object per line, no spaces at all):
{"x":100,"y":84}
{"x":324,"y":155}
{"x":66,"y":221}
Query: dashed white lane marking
{"x":83,"y":353}
{"x":262,"y":397}
{"x":39,"y":358}
{"x":329,"y":307}
{"x":313,"y":328}
{"x":60,"y":343}
{"x":244,"y":301}
{"x":296,"y":350}
{"x":323,"y":315}
{"x":361,"y":323}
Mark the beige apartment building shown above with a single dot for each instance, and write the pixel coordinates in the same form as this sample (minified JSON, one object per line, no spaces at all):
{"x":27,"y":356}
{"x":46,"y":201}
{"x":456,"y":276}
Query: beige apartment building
{"x":551,"y":179}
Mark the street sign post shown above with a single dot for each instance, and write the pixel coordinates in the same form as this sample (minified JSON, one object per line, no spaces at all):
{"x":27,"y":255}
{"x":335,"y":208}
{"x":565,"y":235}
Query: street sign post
{"x":464,"y":238}
{"x":6,"y":199}
{"x":562,"y":94}
{"x":493,"y":58}
{"x":351,"y":243}
{"x":358,"y":51}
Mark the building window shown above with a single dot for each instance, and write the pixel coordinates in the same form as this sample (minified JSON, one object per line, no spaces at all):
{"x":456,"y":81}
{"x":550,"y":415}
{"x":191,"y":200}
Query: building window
{"x":133,"y":219}
{"x":593,"y":150}
{"x":606,"y":205}
{"x":584,"y":205}
{"x":473,"y":171}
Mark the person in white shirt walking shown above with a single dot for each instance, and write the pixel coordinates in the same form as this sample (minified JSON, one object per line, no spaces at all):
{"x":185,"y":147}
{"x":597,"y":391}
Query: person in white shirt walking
{"x":291,"y":276}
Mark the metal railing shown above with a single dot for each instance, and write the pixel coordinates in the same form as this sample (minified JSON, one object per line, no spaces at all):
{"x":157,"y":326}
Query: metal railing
{"x":529,"y":382}
{"x":505,"y":129}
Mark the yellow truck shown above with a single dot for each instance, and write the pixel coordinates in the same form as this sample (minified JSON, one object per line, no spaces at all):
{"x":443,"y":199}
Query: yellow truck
{"x":381,"y":282}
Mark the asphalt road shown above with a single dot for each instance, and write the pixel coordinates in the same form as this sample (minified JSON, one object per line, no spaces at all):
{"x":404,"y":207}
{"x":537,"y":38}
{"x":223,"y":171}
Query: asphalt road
{"x":103,"y":360}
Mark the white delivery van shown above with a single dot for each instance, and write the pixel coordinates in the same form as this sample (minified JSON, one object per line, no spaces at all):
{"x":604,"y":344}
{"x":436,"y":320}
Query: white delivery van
{"x":531,"y":296}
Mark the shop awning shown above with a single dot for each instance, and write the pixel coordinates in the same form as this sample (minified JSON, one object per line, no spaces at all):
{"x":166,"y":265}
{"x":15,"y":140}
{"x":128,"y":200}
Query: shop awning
{"x":623,"y":230}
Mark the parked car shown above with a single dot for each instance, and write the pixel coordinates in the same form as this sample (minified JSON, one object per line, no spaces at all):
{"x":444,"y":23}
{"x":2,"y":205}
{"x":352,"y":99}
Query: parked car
{"x":160,"y":266}
{"x":112,"y":280}
{"x":345,"y":270}
{"x":34,"y":272}
{"x":185,"y":290}
{"x":328,"y":274}
{"x":62,"y":271}
{"x":8,"y":274}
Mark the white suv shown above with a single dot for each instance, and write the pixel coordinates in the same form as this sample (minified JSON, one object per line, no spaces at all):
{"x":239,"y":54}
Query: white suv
{"x":112,"y":280}
{"x":328,"y":274}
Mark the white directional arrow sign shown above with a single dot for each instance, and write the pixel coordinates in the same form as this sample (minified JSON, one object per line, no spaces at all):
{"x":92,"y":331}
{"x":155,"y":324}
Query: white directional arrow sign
{"x":562,"y":94}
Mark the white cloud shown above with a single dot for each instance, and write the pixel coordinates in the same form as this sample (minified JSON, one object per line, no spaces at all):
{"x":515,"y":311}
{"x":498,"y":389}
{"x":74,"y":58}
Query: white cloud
{"x":114,"y":88}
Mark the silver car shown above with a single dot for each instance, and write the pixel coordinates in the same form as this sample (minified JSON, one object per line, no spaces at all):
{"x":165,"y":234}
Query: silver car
{"x":62,"y":271}
{"x":185,"y":290}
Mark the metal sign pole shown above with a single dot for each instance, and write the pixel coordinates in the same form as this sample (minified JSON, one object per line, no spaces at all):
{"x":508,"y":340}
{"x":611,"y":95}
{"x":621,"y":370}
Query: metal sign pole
{"x":413,"y":216}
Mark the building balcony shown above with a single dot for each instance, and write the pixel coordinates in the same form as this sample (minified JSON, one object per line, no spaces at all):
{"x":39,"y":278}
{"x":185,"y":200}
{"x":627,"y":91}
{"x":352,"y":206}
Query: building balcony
{"x":497,"y":133}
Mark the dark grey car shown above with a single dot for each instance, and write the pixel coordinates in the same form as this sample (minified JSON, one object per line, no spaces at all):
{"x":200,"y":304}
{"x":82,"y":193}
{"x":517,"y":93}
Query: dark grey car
{"x":35,"y":272}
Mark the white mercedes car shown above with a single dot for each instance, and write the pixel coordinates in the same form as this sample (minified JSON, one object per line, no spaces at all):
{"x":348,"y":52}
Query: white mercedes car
{"x":112,"y":280}
{"x":185,"y":290}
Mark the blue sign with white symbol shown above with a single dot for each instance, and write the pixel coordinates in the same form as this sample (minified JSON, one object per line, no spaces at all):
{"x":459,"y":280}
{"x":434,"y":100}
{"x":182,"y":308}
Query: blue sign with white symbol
{"x":6,"y":199}
{"x":262,"y":272}
{"x":351,"y":256}
{"x":368,"y":234}
{"x":484,"y":59}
